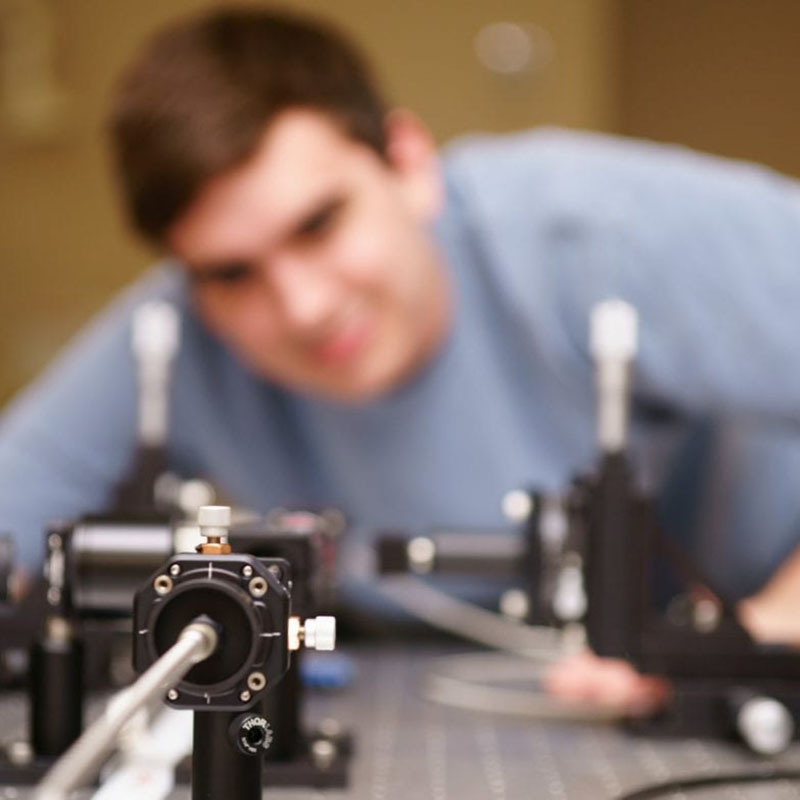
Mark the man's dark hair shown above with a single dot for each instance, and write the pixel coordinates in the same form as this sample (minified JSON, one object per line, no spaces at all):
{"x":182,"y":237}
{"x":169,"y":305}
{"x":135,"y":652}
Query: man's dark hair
{"x":198,"y":99}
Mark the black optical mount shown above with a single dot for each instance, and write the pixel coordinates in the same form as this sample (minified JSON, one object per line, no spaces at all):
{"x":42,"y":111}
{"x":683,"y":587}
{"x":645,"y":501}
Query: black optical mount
{"x":724,"y":684}
{"x":248,"y":600}
{"x":592,"y":554}
{"x":300,"y":755}
{"x":73,"y":620}
{"x":611,"y":555}
{"x":92,"y":568}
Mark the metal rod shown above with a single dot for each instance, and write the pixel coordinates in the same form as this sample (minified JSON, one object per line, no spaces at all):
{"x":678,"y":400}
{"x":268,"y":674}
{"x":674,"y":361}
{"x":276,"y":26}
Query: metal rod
{"x":196,"y":642}
{"x":613,"y":344}
{"x":155,"y":340}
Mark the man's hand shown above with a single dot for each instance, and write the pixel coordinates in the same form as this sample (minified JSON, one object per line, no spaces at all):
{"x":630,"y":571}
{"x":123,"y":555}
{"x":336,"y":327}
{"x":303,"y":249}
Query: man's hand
{"x":771,"y":616}
{"x":610,"y":683}
{"x":607,"y":683}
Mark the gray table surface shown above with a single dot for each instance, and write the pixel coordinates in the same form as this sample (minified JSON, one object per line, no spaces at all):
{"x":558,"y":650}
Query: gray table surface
{"x":408,"y":747}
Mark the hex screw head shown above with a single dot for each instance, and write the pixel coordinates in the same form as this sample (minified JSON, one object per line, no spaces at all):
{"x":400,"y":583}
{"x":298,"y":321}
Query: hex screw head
{"x":257,"y":586}
{"x":256,"y":681}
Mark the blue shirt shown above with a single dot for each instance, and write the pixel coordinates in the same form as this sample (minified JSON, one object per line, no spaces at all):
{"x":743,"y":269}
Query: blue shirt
{"x":537,"y":228}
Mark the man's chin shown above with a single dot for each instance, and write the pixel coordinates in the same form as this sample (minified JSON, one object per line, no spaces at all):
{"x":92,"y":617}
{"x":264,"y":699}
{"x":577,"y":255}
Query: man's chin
{"x":351,"y":393}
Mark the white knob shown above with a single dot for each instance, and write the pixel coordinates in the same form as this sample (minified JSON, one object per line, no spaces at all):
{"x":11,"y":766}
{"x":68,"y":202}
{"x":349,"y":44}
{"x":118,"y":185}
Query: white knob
{"x":319,"y":633}
{"x":517,"y":505}
{"x":421,"y":552}
{"x":214,"y":520}
{"x":218,"y":516}
{"x":766,"y":725}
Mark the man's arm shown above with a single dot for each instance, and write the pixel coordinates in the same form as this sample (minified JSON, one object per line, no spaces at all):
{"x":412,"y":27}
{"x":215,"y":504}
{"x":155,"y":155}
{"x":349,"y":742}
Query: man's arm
{"x":706,"y":249}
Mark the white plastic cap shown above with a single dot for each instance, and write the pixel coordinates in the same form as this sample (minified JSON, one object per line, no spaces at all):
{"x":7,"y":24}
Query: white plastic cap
{"x":155,"y":330}
{"x":421,"y":552}
{"x":766,"y":725}
{"x":517,"y":505}
{"x":214,"y":516}
{"x":320,"y":633}
{"x":613,"y":330}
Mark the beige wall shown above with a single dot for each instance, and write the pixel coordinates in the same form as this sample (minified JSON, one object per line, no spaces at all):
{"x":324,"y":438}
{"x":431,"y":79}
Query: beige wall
{"x":719,"y":75}
{"x":713,"y":74}
{"x":63,"y":250}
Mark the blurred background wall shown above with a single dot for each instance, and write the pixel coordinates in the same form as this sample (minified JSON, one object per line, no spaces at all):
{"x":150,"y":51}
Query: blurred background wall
{"x":714,"y":74}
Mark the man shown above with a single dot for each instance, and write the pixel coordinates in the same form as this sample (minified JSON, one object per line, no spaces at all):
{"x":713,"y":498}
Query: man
{"x":367,"y":326}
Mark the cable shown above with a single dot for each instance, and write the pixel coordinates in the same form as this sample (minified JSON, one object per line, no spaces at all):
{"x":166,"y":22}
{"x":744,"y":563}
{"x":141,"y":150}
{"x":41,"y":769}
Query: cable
{"x":465,"y":681}
{"x":706,"y":781}
{"x":197,"y":641}
{"x":470,"y":621}
{"x":469,"y":681}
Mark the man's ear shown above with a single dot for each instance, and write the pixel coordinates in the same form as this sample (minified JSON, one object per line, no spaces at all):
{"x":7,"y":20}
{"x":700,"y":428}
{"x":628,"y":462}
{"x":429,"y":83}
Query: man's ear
{"x":411,"y":152}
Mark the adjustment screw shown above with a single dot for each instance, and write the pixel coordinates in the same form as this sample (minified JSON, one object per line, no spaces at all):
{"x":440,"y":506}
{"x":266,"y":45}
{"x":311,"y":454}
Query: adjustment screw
{"x":257,"y":586}
{"x":247,"y":571}
{"x":323,"y":753}
{"x":172,"y":694}
{"x":245,"y":696}
{"x":256,"y":681}
{"x":214,"y":517}
{"x":175,"y":570}
{"x":214,"y":522}
{"x":163,"y":584}
{"x":319,"y":633}
{"x":19,"y":753}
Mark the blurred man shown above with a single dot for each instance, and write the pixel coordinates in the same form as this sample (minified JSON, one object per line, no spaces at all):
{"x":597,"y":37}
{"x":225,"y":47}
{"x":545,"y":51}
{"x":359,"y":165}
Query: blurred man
{"x":404,"y":336}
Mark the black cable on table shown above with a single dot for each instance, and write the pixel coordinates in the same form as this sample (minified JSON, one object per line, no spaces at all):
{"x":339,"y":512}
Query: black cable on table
{"x":707,"y":781}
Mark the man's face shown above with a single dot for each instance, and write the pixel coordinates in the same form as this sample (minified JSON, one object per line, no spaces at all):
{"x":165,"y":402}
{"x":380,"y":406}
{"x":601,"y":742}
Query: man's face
{"x":313,"y":262}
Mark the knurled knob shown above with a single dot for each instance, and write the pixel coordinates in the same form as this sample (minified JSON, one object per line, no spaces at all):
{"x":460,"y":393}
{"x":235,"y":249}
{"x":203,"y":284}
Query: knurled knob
{"x":214,"y":522}
{"x":214,"y":517}
{"x":319,"y":633}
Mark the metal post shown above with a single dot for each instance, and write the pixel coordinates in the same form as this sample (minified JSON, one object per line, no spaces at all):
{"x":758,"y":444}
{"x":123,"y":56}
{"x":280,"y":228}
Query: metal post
{"x":220,"y":771}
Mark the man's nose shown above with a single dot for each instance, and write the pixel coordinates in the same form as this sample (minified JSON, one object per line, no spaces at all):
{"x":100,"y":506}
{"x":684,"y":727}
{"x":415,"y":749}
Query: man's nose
{"x":306,"y":293}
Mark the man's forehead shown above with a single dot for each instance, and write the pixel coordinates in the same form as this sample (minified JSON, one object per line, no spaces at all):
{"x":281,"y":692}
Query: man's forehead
{"x":302,"y":161}
{"x":301,"y":152}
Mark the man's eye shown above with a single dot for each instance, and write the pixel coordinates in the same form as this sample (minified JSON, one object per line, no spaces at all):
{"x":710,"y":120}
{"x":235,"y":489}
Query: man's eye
{"x":319,"y":223}
{"x":225,"y":275}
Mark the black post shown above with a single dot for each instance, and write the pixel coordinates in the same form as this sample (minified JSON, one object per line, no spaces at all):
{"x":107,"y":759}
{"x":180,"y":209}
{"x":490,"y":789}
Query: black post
{"x":220,"y":770}
{"x":616,"y":568}
{"x":56,"y":695}
{"x":282,"y":708}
